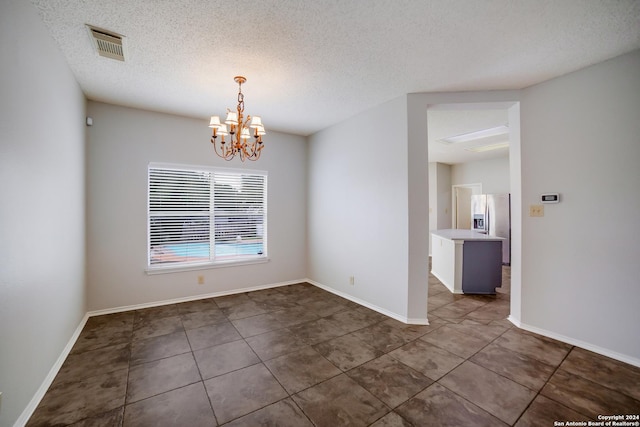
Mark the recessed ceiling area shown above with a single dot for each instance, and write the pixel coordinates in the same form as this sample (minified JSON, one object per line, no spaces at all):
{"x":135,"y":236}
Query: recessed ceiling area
{"x":446,"y":121}
{"x":311,"y":64}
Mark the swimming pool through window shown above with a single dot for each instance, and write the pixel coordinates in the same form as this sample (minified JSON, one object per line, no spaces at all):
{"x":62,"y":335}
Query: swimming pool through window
{"x":199,"y":215}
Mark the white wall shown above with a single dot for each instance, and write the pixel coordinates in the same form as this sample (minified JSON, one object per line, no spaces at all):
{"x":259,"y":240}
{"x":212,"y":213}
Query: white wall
{"x":580,"y":271}
{"x":357,"y":212}
{"x":439,"y":197}
{"x":418,"y":210}
{"x":121,"y":143}
{"x":42,"y":215}
{"x":433,"y":199}
{"x":443,"y":189}
{"x":515,"y":174}
{"x":493,"y":174}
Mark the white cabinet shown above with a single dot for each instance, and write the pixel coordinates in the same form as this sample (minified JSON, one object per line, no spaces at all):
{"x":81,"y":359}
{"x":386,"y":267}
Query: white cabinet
{"x":446,"y":262}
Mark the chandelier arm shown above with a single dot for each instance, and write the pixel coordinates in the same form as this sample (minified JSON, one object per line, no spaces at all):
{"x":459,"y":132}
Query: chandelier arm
{"x":252,"y":150}
{"x":256,"y":155}
{"x":223,"y":151}
{"x":255,"y":151}
{"x":227,"y":151}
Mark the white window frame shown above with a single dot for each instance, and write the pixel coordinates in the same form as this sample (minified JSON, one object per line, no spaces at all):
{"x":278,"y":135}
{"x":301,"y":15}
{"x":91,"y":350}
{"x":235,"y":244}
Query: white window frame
{"x":212,"y":261}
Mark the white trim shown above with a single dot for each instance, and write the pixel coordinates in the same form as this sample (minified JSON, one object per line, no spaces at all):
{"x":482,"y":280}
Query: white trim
{"x":446,"y":283}
{"x":35,"y":401}
{"x":37,"y":397}
{"x":417,"y":321}
{"x":398,"y":317}
{"x":199,"y":168}
{"x":46,"y":383}
{"x":165,"y":269}
{"x":403,"y":319}
{"x":578,"y":343}
{"x":514,"y":321}
{"x":190,"y":298}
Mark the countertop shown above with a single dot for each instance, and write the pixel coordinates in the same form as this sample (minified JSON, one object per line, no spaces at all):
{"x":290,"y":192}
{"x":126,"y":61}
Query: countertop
{"x":456,"y":234}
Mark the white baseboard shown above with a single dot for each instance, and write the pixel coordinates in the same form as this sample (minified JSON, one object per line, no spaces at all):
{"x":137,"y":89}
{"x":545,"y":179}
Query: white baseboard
{"x":411,"y":321}
{"x":403,"y":319}
{"x":417,"y":321}
{"x":35,"y":400}
{"x":191,"y":298}
{"x":578,"y":343}
{"x":446,"y":283}
{"x":514,"y":320}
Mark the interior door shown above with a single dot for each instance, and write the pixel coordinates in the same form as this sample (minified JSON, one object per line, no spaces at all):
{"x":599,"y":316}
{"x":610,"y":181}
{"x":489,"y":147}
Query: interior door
{"x":463,"y":208}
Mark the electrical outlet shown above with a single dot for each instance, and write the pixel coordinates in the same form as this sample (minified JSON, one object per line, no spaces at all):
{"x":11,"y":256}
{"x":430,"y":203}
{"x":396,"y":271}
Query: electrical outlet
{"x":536,"y":210}
{"x":200,"y":280}
{"x":352,"y":280}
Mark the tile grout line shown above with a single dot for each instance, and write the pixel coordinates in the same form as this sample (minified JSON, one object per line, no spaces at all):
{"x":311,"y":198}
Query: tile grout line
{"x":215,"y":417}
{"x":343,"y":332}
{"x":467,"y":359}
{"x":126,"y":388}
{"x":321,"y":355}
{"x":132,"y":340}
{"x":261,"y":362}
{"x":341,"y":372}
{"x":545,"y":384}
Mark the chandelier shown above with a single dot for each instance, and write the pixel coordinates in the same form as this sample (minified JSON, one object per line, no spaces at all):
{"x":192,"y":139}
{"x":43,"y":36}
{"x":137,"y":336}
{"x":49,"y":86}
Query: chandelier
{"x":240,"y":129}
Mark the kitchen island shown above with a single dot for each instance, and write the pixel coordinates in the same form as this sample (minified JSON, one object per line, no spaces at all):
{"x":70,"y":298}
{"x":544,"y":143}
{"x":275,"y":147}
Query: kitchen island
{"x":467,"y":261}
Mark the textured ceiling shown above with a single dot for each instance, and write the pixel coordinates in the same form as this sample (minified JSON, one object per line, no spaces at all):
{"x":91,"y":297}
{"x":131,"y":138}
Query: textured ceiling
{"x":310,"y":64}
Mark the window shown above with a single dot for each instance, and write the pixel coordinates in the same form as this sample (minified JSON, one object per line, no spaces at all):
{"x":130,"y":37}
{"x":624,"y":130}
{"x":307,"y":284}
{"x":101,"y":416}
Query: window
{"x":204,"y":216}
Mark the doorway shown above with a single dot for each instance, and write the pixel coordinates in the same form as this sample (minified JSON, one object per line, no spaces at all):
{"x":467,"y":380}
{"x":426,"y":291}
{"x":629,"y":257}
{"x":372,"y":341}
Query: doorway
{"x":439,"y":132}
{"x":461,"y":204}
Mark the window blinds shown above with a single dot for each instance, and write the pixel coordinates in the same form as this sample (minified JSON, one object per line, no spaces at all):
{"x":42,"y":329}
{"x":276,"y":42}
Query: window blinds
{"x":203,"y":215}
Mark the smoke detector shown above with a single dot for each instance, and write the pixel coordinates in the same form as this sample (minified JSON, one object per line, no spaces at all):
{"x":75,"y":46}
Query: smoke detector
{"x":107,"y":43}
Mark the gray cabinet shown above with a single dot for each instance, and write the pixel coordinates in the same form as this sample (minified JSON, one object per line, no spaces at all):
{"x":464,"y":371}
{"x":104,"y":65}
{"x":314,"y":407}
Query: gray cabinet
{"x":466,"y":261}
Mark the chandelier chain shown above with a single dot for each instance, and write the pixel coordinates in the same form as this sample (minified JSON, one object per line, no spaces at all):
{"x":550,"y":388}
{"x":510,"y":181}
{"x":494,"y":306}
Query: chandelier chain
{"x":240,"y":98}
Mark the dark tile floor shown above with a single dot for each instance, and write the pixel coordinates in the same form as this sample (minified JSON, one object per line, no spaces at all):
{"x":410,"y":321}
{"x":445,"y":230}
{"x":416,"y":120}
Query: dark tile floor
{"x":300,"y":356}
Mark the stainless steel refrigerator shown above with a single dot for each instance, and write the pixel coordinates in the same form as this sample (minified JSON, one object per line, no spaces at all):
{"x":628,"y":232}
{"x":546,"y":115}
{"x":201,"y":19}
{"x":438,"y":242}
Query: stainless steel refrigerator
{"x":491,"y":214}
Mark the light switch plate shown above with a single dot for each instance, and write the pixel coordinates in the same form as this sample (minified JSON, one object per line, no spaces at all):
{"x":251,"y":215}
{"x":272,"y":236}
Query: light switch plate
{"x":536,"y":210}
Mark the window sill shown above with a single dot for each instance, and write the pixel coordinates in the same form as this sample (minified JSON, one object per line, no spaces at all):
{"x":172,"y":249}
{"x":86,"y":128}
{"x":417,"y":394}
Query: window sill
{"x":204,"y":266}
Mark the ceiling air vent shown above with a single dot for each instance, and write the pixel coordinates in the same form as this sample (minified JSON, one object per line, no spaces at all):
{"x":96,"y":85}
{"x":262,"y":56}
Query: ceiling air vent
{"x":107,"y":44}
